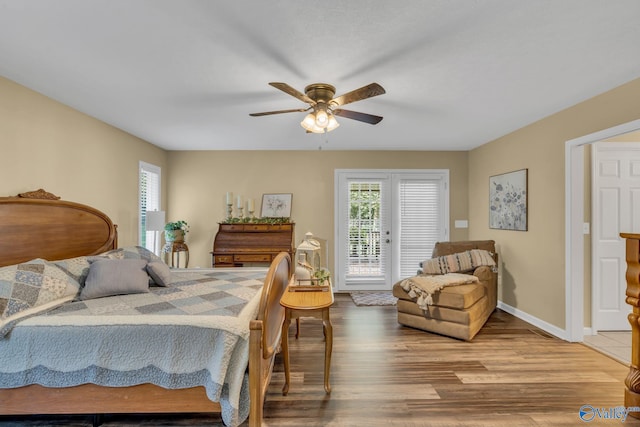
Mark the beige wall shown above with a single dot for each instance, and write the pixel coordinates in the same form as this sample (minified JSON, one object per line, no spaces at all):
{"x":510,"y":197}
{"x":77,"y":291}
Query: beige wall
{"x":533,"y":262}
{"x":627,"y":137}
{"x":199,"y":181}
{"x":48,"y":145}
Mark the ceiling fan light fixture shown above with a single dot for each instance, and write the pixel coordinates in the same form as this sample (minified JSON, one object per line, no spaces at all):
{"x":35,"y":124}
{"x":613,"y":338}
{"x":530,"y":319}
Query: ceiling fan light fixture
{"x":322,"y":118}
{"x":324,"y":105}
{"x":333,"y":123}
{"x":309,"y":122}
{"x":313,"y":128}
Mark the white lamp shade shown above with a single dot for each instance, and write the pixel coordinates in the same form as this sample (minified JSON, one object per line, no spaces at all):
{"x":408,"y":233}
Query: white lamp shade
{"x":333,"y":123}
{"x":308,"y":122}
{"x":322,"y":119}
{"x":155,"y":220}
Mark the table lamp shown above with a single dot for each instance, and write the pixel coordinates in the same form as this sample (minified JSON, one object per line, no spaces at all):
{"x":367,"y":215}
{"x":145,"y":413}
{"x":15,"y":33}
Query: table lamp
{"x":154,"y":223}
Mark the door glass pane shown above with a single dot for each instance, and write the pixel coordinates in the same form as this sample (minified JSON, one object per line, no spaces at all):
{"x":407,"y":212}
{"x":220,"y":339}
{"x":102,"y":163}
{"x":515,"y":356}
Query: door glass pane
{"x":366,"y":253}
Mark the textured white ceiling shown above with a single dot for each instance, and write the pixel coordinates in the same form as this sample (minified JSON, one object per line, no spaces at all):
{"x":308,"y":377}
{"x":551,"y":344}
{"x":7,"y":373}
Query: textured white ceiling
{"x":185,"y":74}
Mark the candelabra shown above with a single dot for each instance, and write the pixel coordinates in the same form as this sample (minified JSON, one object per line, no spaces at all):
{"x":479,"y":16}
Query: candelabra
{"x":251,"y":217}
{"x":240,"y":213}
{"x":229,"y":211}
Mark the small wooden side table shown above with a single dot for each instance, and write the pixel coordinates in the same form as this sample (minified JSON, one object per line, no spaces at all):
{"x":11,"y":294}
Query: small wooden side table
{"x":307,"y":304}
{"x":174,"y":248}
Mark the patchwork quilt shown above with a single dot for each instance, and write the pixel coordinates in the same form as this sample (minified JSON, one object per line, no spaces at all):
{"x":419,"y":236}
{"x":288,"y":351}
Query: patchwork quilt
{"x":193,"y":332}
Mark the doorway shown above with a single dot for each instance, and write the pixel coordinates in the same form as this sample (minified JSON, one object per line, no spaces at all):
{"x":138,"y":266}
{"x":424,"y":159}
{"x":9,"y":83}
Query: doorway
{"x":574,"y":220}
{"x":387,"y":221}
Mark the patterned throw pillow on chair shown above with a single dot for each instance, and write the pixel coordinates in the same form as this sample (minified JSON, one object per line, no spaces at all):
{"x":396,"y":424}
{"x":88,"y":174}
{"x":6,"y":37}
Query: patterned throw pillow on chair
{"x":457,"y":263}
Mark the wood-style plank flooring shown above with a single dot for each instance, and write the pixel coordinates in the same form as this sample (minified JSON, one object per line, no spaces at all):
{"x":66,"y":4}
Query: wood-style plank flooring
{"x":383,"y":374}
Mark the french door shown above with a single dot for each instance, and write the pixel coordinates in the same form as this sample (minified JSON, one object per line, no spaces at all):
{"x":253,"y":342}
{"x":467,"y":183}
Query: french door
{"x":386,"y":223}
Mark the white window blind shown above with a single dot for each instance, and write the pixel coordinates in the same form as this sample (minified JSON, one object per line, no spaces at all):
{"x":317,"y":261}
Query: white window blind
{"x":149,"y":200}
{"x":420,"y":222}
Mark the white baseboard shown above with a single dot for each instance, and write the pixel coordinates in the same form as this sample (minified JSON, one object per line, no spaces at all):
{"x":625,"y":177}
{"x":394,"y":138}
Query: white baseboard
{"x":587,"y":331}
{"x":547,"y":327}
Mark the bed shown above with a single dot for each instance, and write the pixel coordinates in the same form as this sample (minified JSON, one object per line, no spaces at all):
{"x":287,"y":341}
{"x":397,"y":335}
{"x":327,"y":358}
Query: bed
{"x":38,"y":225}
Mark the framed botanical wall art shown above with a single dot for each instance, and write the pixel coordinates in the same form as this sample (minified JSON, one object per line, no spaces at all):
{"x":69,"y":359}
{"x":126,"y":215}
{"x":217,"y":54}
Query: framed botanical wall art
{"x":276,"y":205}
{"x":508,"y":201}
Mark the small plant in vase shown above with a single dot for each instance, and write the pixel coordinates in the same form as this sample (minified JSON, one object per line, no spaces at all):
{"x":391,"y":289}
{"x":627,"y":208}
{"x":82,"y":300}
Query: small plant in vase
{"x":321,"y":277}
{"x":175,"y":231}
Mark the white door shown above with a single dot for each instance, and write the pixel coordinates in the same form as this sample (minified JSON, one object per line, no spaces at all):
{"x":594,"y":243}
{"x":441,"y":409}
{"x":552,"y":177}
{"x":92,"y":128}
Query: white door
{"x":616,"y":209}
{"x":363,"y":231}
{"x":386,"y":223}
{"x":420,"y":212}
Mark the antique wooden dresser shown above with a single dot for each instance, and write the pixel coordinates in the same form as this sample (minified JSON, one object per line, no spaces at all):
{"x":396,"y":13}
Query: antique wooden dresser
{"x":244,"y":243}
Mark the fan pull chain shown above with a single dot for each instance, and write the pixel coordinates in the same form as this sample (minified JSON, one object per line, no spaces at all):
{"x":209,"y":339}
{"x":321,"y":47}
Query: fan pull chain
{"x":326,"y":139}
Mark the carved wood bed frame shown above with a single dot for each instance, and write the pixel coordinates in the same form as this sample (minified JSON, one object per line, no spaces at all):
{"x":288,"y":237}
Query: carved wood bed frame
{"x":39,"y":225}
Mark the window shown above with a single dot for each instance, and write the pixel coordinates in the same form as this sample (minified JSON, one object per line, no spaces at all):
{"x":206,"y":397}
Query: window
{"x":149,"y":200}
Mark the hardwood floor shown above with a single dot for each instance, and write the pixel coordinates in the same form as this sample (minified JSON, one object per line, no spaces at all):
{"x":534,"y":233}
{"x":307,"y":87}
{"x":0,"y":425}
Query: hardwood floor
{"x":383,"y":374}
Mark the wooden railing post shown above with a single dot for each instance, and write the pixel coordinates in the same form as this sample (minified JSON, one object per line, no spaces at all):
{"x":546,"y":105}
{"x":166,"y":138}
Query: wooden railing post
{"x":632,"y":382}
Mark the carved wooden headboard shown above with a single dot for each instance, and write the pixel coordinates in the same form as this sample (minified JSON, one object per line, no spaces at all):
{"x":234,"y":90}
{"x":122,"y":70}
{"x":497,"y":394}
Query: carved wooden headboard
{"x":38,"y":224}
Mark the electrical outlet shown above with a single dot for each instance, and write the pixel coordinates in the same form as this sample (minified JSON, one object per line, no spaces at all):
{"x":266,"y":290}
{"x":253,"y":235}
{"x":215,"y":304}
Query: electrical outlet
{"x":586,"y":229}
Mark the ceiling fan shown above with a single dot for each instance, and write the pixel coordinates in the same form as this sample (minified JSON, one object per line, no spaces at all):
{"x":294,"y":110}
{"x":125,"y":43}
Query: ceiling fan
{"x":320,"y":97}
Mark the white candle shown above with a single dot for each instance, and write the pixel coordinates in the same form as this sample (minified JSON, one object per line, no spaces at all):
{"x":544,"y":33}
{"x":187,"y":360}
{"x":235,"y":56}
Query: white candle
{"x":239,"y":201}
{"x":250,"y":205}
{"x":229,"y":198}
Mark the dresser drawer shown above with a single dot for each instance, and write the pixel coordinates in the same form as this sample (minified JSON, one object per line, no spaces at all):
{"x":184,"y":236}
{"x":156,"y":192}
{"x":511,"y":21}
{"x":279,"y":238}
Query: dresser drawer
{"x":252,"y":258}
{"x":231,"y":227}
{"x":223,"y":259}
{"x":256,"y":227}
{"x":281,"y":227}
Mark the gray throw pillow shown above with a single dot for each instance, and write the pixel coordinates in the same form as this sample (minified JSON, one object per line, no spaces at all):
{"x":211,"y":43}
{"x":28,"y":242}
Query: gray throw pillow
{"x":109,"y":277}
{"x":159,"y":272}
{"x":133,"y":252}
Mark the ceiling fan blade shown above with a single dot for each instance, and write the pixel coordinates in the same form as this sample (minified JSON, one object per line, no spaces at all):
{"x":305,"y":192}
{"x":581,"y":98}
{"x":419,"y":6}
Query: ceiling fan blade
{"x":362,"y":117}
{"x":267,"y":113}
{"x":368,"y":91}
{"x":293,"y":92}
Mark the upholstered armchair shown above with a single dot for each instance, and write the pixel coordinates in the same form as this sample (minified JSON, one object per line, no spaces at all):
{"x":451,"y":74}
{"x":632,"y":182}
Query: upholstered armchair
{"x":456,"y":311}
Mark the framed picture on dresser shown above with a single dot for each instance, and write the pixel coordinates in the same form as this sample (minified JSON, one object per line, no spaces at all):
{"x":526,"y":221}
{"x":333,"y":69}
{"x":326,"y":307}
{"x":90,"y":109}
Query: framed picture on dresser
{"x":276,"y":205}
